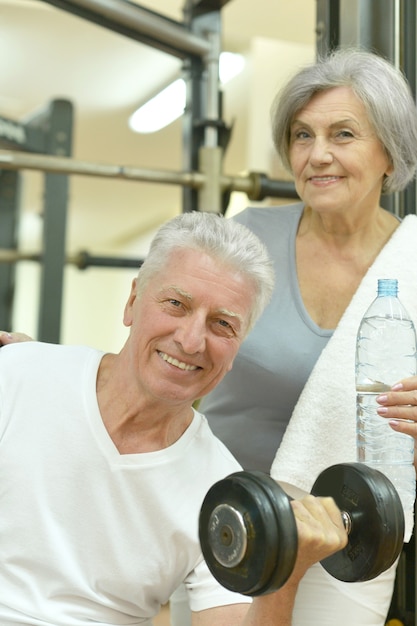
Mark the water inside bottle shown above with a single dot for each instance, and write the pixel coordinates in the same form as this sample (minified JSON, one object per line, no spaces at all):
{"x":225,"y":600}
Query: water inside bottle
{"x":379,"y":446}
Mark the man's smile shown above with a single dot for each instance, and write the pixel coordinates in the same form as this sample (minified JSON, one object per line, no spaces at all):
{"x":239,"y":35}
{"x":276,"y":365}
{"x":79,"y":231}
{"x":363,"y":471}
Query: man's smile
{"x":180,"y":364}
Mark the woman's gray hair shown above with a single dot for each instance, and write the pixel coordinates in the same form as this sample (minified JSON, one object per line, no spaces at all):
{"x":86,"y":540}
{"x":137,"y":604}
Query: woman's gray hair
{"x":382,"y":89}
{"x":225,"y":240}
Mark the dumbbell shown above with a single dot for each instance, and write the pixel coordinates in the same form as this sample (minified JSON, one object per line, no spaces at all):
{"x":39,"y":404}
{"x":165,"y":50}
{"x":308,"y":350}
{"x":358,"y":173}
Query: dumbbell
{"x":248,"y":532}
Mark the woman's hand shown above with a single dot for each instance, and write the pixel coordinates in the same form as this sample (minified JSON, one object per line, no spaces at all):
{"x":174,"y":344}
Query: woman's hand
{"x":399,"y":404}
{"x":6,"y":338}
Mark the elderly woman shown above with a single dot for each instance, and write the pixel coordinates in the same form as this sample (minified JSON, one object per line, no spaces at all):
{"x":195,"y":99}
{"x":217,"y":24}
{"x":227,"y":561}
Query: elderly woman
{"x":346,"y":128}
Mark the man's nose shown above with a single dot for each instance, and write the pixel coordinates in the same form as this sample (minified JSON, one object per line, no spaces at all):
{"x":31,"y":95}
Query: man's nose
{"x":191,"y":334}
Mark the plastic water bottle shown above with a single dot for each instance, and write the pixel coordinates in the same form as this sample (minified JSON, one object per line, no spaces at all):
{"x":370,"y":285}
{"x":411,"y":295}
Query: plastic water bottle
{"x":385,"y":353}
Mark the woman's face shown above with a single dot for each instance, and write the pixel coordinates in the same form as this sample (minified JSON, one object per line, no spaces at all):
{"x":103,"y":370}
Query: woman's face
{"x":336,"y":158}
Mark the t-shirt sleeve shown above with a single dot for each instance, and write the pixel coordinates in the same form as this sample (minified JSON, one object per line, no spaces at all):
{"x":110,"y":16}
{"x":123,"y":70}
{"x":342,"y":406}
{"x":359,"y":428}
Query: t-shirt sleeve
{"x":204,"y":592}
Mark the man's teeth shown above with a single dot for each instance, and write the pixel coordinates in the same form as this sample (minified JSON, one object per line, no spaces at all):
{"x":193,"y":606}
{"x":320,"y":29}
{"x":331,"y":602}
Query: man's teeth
{"x":180,"y":364}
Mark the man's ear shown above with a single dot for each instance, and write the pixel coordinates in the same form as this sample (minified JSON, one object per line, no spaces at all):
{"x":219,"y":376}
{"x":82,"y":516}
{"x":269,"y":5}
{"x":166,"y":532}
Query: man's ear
{"x":128,"y":314}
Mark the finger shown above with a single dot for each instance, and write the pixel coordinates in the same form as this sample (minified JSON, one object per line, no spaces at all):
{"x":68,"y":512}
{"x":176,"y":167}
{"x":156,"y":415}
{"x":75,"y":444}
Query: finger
{"x":406,"y":412}
{"x":321,"y":523}
{"x":326,"y":513}
{"x":402,"y":393}
{"x":406,"y":384}
{"x":7,"y":338}
{"x":320,"y":532}
{"x":407,"y":428}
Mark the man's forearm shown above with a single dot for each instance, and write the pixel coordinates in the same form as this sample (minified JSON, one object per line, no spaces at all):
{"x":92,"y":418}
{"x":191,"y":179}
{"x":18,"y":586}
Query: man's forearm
{"x":274,"y":609}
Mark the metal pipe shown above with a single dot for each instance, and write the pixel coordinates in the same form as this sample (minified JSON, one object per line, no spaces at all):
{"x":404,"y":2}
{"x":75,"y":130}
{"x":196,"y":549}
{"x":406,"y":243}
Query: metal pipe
{"x":141,"y":21}
{"x":256,"y":185}
{"x":9,"y":255}
{"x":264,"y":187}
{"x":63,"y":165}
{"x":212,"y":102}
{"x":82,"y":260}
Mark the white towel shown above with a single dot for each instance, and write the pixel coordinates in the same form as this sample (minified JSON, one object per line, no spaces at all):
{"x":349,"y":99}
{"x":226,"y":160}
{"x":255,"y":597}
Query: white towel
{"x":321,"y":433}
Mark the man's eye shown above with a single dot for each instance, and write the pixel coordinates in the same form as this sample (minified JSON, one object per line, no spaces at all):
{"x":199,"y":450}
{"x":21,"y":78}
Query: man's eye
{"x":225,"y":328}
{"x":175,"y":303}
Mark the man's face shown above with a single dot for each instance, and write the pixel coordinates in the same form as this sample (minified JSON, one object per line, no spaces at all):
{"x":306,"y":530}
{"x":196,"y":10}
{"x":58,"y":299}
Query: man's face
{"x":187,"y":326}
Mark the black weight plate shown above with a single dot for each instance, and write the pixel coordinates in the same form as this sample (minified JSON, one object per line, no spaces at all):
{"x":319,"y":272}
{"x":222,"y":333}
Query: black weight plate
{"x":287,"y":535}
{"x":377,"y":533}
{"x":248,"y":534}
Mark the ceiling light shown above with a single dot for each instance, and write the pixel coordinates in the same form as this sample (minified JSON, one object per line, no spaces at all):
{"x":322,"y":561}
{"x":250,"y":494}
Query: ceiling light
{"x":230,"y":65}
{"x":161,"y":110}
{"x":169,"y":104}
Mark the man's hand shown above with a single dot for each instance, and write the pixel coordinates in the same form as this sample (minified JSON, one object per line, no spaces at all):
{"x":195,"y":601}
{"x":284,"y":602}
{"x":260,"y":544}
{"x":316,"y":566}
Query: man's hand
{"x":320,"y":532}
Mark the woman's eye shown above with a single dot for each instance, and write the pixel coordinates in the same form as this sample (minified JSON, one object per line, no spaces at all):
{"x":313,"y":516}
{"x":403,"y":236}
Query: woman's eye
{"x":345,"y":134}
{"x":301,"y":134}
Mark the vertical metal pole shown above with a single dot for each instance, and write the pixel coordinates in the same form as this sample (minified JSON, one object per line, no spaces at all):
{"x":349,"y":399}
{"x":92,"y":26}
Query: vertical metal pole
{"x":59,"y":141}
{"x":373,"y":26}
{"x":327,"y":26}
{"x":9,"y":217}
{"x":210,"y":153}
{"x":369,"y":24}
{"x":192,"y":127}
{"x":202,"y":122}
{"x":408,"y":60}
{"x":213,"y":109}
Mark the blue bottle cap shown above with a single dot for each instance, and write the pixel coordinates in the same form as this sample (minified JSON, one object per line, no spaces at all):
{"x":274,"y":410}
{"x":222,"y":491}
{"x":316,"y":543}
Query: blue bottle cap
{"x":387,"y":287}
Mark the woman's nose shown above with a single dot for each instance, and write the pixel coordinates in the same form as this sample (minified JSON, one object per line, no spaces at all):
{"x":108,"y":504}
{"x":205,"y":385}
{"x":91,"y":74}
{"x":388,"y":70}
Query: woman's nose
{"x":321,"y":153}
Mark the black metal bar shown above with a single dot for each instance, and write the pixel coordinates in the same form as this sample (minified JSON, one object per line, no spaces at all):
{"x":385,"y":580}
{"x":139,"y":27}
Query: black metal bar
{"x":84,"y":259}
{"x":407,"y":585}
{"x":198,"y":7}
{"x":192,"y":133}
{"x":327,"y":26}
{"x":55,"y":219}
{"x":264,"y":187}
{"x":10,"y":184}
{"x":408,"y":61}
{"x":12,"y":133}
{"x":203,"y":125}
{"x":20,"y":136}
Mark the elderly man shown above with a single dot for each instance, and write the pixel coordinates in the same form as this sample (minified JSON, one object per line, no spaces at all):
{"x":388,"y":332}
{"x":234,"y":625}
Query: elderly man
{"x":104,"y":462}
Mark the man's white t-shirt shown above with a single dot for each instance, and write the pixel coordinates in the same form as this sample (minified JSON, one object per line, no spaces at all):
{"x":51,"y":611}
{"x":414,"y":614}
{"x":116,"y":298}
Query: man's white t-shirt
{"x":89,"y":535}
